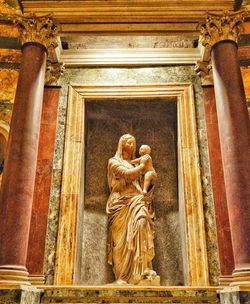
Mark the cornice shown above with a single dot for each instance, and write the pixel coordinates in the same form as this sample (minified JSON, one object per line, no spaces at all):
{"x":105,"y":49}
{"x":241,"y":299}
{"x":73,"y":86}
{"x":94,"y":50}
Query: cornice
{"x":129,"y":57}
{"x":120,"y":11}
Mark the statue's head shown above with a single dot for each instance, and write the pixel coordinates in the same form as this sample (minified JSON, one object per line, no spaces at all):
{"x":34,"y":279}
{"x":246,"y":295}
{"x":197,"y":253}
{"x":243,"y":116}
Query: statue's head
{"x":126,"y":144}
{"x":144,"y":149}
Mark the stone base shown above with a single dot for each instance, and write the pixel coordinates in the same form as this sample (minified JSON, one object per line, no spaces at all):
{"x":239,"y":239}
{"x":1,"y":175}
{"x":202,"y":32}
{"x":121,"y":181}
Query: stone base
{"x":19,"y":294}
{"x":241,"y":278}
{"x":13,"y":275}
{"x":235,"y":295}
{"x":36,"y":279}
{"x":124,"y":294}
{"x":225,"y":280}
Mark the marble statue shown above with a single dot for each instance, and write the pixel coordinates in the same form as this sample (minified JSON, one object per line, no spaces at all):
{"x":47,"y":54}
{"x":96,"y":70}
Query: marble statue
{"x":131,"y":216}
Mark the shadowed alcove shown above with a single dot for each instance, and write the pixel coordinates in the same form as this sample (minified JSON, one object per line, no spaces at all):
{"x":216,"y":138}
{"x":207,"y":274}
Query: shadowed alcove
{"x":153,"y":122}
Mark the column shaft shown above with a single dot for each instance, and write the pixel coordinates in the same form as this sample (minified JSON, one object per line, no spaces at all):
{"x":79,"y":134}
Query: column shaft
{"x":234,"y":139}
{"x":20,"y":165}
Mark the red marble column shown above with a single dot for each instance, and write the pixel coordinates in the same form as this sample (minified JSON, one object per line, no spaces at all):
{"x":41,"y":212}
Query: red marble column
{"x":218,"y":185}
{"x":39,"y":217}
{"x":235,"y":146}
{"x":20,"y":165}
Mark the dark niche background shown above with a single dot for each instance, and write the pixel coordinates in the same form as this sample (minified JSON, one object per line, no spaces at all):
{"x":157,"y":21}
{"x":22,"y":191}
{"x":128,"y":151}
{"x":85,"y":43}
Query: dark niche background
{"x":152,"y":122}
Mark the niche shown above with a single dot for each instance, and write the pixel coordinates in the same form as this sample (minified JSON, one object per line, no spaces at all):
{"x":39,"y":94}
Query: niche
{"x":153,"y":122}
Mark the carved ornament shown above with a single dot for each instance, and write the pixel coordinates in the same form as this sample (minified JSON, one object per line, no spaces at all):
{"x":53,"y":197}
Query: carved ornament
{"x":42,"y":30}
{"x":204,"y":70}
{"x":222,"y":27}
{"x":53,"y":72}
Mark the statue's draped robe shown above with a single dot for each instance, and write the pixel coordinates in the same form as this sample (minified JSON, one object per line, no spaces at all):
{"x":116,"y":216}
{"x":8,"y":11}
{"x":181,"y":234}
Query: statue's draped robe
{"x":131,"y":226}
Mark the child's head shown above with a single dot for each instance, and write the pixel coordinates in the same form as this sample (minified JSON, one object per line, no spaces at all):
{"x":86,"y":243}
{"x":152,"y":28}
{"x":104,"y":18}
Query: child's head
{"x":144,"y":149}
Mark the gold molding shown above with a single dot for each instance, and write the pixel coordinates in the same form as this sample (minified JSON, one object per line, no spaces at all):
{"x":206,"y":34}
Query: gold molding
{"x":190,"y":181}
{"x":217,"y":28}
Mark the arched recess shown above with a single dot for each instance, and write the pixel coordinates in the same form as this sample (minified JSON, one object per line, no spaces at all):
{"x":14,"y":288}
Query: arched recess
{"x":189,"y":181}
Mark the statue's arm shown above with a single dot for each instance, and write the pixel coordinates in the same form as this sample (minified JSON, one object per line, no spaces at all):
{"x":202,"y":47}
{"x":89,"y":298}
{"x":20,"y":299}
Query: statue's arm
{"x":133,"y":173}
{"x":129,"y":174}
{"x":136,"y":161}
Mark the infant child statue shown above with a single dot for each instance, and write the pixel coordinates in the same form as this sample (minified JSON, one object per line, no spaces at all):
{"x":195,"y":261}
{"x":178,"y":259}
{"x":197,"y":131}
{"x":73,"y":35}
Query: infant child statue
{"x":150,"y":176}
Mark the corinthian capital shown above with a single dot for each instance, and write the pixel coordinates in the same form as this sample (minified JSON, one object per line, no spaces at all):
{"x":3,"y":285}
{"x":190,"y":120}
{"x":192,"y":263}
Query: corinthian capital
{"x":41,"y":30}
{"x":53,"y":72}
{"x":224,"y":27}
{"x":204,"y":70}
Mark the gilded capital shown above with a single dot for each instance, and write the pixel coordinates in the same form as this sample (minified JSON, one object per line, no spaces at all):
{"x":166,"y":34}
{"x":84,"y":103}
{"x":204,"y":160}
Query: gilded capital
{"x":53,"y":72}
{"x":222,"y":27}
{"x":42,"y":30}
{"x":204,"y":70}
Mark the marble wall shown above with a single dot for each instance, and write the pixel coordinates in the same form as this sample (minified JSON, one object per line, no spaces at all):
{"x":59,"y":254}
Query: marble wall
{"x":246,"y":80}
{"x":8,"y":83}
{"x":132,"y":76}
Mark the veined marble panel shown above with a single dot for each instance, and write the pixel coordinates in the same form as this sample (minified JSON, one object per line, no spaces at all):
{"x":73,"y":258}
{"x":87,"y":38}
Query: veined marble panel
{"x":246,"y":80}
{"x":8,"y":83}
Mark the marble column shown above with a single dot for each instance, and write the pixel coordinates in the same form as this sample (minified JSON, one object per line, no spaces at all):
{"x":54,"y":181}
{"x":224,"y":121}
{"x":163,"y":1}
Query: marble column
{"x":37,"y":35}
{"x":220,"y":35}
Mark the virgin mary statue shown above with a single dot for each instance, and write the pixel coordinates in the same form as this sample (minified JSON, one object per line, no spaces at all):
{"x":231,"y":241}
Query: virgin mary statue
{"x":131,"y":218}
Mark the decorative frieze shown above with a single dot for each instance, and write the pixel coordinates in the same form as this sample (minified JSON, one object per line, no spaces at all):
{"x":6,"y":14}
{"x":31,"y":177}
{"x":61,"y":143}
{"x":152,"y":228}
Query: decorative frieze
{"x":222,"y":27}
